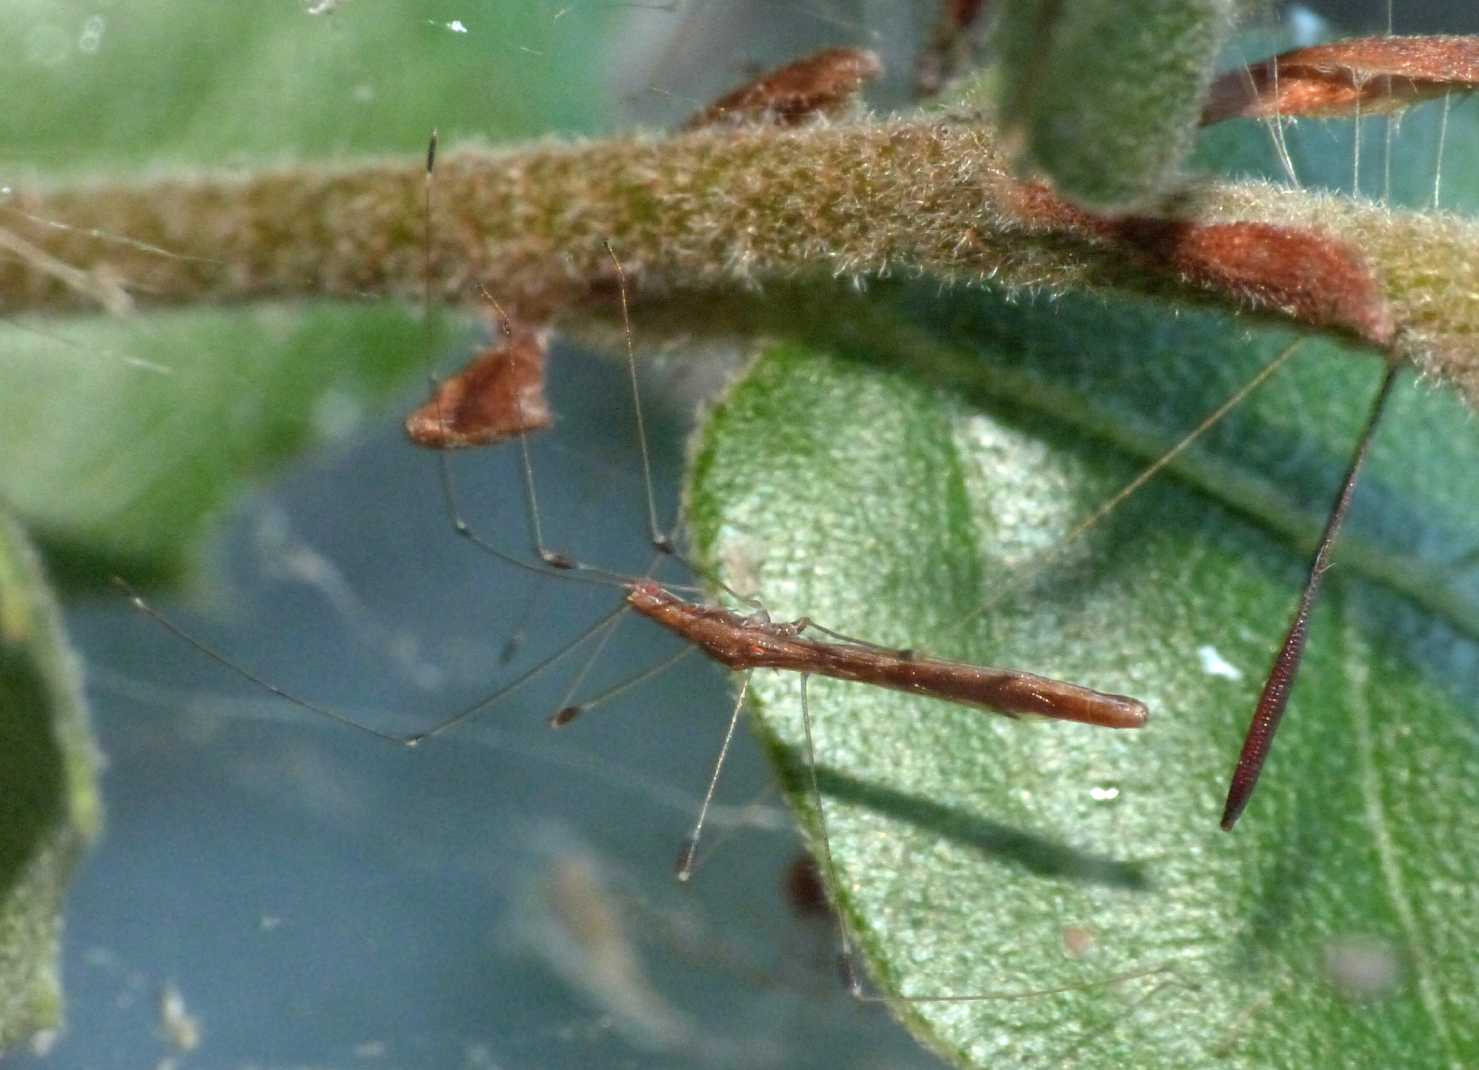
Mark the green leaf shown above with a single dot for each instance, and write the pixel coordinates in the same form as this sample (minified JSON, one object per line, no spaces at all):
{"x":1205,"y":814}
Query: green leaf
{"x":151,"y":424}
{"x":1108,"y":97}
{"x":88,"y":92}
{"x":49,"y":807}
{"x":978,"y":854}
{"x":151,"y":427}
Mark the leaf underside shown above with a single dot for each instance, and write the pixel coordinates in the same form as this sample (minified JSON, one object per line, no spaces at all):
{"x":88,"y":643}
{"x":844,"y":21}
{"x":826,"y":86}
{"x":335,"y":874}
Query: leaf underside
{"x":978,"y":854}
{"x":50,"y":806}
{"x":892,"y":475}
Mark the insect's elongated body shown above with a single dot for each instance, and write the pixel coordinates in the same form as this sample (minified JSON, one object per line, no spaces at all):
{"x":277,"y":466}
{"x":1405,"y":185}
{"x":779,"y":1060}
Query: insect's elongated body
{"x":751,"y":642}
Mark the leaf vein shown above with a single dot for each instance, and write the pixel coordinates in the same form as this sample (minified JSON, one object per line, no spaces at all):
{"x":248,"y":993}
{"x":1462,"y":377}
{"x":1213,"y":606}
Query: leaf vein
{"x":1357,"y":655}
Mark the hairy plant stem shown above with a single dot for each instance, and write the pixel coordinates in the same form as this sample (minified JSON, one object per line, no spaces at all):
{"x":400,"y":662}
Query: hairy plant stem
{"x":710,"y":209}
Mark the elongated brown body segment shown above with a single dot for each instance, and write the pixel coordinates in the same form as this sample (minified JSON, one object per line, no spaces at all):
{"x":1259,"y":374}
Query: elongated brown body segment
{"x":744,"y":643}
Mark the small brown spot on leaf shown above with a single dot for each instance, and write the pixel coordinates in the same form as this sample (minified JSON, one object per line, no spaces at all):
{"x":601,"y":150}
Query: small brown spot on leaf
{"x":1078,"y":940}
{"x":825,"y":83}
{"x":498,"y":395}
{"x":1340,"y":79}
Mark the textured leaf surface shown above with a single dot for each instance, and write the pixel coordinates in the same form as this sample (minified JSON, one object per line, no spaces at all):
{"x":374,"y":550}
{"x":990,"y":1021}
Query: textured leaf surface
{"x":983,"y":855}
{"x":1108,"y":111}
{"x":49,"y":807}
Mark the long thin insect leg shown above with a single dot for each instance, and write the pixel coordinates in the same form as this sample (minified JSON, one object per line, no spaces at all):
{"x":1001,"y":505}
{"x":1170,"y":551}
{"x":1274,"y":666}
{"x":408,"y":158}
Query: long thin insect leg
{"x":431,"y":162}
{"x":1442,"y":142}
{"x":660,"y":539}
{"x":599,"y":627}
{"x":1275,"y":697}
{"x":684,"y":867}
{"x":806,"y":624}
{"x":450,"y":501}
{"x":553,"y":558}
{"x":566,"y":714}
{"x":350,"y":720}
{"x":444,"y":466}
{"x":536,"y":527}
{"x":849,"y":970}
{"x":550,"y":562}
{"x":556,"y":559}
{"x":568,"y":711}
{"x":1021,"y":577}
{"x":216,"y":656}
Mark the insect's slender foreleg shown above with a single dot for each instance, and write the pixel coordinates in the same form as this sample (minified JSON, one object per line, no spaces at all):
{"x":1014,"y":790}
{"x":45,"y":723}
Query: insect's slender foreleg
{"x":684,"y":867}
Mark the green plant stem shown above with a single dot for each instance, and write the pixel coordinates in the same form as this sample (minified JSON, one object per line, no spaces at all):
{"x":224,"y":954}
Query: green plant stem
{"x":708,"y":209}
